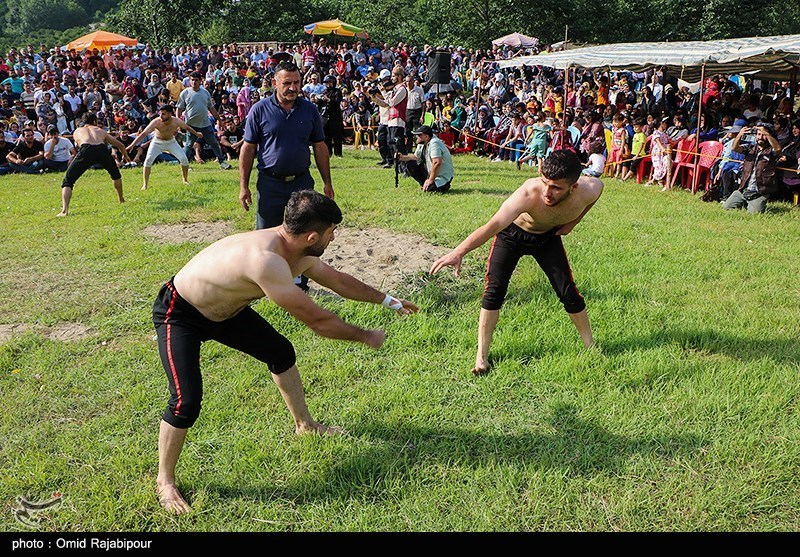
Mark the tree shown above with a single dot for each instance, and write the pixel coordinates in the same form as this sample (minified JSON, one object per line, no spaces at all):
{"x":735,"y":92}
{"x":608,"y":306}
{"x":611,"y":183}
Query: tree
{"x":26,"y":16}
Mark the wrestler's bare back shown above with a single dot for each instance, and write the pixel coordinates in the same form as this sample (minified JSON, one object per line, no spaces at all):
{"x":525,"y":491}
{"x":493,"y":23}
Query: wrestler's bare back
{"x":221,"y":280}
{"x":89,"y":135}
{"x":538,"y":217}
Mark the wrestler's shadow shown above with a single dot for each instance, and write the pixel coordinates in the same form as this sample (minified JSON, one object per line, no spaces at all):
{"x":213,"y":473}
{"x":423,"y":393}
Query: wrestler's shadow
{"x":393,"y":452}
{"x":781,"y":349}
{"x":188,"y":201}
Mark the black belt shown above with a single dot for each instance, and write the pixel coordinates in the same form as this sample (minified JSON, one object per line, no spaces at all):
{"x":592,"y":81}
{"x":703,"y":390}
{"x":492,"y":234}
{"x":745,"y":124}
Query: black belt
{"x":283,"y":177}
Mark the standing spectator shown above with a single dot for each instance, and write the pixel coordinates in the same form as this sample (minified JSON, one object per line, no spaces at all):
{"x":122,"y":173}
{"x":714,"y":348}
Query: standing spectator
{"x":331,"y":112}
{"x":660,"y":155}
{"x":413,"y":108}
{"x":278,"y":131}
{"x":195,"y":104}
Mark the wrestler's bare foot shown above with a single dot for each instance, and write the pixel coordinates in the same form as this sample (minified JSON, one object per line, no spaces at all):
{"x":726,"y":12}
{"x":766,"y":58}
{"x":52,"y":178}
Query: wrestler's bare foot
{"x":316,"y":427}
{"x":144,"y":186}
{"x":185,"y":183}
{"x":171,"y":499}
{"x":62,"y":214}
{"x":482,"y":367}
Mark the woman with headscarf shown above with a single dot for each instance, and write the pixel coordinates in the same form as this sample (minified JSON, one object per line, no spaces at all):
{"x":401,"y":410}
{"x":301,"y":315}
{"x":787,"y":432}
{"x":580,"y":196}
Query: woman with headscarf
{"x":243,"y":100}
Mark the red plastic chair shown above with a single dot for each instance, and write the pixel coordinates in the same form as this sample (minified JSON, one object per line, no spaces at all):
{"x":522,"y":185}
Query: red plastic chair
{"x":684,"y":159}
{"x":710,"y":151}
{"x":646,"y":164}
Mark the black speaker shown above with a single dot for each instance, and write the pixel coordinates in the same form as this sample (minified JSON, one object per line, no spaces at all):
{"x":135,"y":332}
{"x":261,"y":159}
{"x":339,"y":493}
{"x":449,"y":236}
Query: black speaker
{"x":439,"y":66}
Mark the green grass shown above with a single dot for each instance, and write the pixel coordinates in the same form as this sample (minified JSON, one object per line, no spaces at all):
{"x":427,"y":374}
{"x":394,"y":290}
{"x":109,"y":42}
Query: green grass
{"x":685,"y":417}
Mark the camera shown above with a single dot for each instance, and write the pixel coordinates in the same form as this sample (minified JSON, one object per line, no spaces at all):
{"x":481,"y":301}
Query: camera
{"x":373,"y":86}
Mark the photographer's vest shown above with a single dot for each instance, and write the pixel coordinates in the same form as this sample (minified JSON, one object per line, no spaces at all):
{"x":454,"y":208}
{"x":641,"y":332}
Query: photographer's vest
{"x":397,"y":113}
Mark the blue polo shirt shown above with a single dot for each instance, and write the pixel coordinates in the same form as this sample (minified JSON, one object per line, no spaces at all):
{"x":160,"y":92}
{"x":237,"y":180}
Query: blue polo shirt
{"x":283,"y":138}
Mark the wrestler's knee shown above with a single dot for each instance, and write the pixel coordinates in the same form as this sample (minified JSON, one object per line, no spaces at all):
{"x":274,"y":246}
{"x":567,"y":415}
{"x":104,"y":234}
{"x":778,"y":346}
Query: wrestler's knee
{"x":283,"y":358}
{"x":573,"y":301}
{"x":183,"y":416}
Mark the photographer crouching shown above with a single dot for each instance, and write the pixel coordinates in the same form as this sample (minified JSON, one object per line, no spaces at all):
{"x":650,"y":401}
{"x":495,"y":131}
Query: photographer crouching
{"x":759,"y":180}
{"x":431,"y":165}
{"x":391,"y":97}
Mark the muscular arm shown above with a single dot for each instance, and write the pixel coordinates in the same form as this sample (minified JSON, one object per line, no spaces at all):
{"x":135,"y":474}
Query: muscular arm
{"x":184,"y":126}
{"x":510,"y":210}
{"x":114,"y":142}
{"x":350,"y":287}
{"x":149,"y":128}
{"x":278,"y":286}
{"x":246,"y":157}
{"x":323,"y":159}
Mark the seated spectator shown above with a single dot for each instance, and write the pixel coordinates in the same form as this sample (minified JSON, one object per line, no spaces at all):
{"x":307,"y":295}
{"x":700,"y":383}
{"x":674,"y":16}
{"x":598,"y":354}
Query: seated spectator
{"x":27,"y":157}
{"x":596,"y":164}
{"x":58,"y":151}
{"x":231,"y":138}
{"x":447,"y":136}
{"x":5,"y":149}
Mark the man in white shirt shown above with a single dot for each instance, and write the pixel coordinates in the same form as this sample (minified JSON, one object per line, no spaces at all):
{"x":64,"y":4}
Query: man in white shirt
{"x":413,"y":109}
{"x":58,"y":151}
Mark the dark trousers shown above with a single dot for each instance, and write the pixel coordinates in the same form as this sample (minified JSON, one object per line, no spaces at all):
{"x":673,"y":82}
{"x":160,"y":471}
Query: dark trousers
{"x":273,"y":195}
{"x":334,"y":136}
{"x":730,"y":183}
{"x":420,"y":174}
{"x":383,"y":143}
{"x":413,"y":117}
{"x":210,"y":137}
{"x":509,"y":246}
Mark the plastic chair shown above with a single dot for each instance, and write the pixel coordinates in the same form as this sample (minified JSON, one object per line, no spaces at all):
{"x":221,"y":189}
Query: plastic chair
{"x":709,"y":153}
{"x":646,"y":164}
{"x":684,"y":159}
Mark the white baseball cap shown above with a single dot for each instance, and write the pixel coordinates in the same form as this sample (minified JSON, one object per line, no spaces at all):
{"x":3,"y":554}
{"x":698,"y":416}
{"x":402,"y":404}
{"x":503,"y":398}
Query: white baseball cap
{"x":384,"y":74}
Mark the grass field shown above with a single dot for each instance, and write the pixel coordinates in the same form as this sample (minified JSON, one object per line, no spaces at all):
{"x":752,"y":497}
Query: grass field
{"x":684,"y":417}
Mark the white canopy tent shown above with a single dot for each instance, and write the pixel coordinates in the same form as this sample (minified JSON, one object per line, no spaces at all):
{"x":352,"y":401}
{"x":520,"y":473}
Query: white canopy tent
{"x":775,"y":57}
{"x":765,"y":57}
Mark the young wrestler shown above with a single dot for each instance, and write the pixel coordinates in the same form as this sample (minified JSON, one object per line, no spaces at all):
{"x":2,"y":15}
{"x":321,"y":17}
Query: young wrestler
{"x":164,"y":141}
{"x":531,"y":222}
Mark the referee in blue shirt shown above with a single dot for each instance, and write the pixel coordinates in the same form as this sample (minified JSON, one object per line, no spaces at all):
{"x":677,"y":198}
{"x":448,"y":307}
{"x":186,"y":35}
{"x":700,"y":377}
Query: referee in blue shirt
{"x":278,"y":131}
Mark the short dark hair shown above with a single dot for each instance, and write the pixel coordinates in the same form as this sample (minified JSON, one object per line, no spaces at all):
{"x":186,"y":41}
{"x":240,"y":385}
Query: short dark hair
{"x":196,"y":75}
{"x":286,"y":66}
{"x":562,"y":164}
{"x":168,"y":107}
{"x":309,"y":210}
{"x":90,"y":118}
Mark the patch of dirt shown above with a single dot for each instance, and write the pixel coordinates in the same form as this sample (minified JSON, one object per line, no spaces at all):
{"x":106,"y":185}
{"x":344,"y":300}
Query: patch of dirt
{"x":201,"y":232}
{"x":60,"y":332}
{"x":381,"y":258}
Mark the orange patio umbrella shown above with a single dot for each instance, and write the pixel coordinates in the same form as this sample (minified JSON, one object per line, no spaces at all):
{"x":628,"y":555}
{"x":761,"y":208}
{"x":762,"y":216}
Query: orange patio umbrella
{"x":101,"y":40}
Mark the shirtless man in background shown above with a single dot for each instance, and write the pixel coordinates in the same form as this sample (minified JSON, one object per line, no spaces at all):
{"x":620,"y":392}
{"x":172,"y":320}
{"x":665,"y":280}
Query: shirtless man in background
{"x":209,"y":300}
{"x":531,"y":222}
{"x":165,"y":126}
{"x":92,"y":144}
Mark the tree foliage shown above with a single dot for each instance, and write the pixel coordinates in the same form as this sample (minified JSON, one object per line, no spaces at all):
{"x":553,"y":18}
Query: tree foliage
{"x":469,"y":23}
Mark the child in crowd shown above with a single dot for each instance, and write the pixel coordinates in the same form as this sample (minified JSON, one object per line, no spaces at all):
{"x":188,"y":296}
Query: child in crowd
{"x":619,"y":146}
{"x":637,"y":147}
{"x":537,"y":143}
{"x":596,"y":163}
{"x":660,"y":155}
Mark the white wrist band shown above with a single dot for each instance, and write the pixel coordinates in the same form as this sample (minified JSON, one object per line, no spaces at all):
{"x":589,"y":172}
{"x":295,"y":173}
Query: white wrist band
{"x":391,"y":303}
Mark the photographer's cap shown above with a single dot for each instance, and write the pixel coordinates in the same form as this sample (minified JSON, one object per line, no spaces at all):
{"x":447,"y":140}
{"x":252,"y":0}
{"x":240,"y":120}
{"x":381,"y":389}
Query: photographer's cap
{"x":427,"y":130}
{"x":385,"y":74}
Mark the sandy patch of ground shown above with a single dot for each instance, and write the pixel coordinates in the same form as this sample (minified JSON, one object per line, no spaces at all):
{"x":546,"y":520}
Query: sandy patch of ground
{"x":381,"y":258}
{"x":62,"y":331}
{"x":201,"y":232}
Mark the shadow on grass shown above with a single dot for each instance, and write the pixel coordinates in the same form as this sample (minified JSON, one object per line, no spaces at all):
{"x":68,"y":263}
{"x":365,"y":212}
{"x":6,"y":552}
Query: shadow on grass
{"x":785,"y":349}
{"x":572,"y":445}
{"x":188,"y":203}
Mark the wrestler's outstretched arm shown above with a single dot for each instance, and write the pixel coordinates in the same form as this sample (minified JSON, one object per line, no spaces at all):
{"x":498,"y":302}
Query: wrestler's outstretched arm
{"x":351,"y":288}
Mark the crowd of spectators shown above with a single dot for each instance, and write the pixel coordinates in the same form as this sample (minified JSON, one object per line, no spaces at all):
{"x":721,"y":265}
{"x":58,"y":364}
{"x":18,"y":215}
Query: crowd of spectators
{"x":517,"y":114}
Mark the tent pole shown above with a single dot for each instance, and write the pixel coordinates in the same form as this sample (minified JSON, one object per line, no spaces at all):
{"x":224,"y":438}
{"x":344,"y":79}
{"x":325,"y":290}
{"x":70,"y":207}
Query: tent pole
{"x":697,"y":132}
{"x":793,"y":86}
